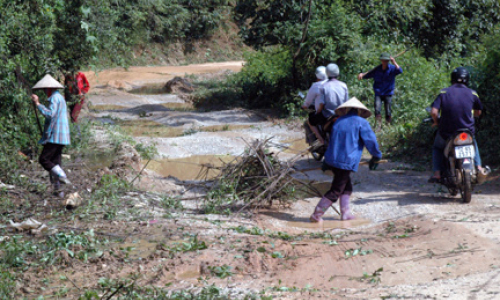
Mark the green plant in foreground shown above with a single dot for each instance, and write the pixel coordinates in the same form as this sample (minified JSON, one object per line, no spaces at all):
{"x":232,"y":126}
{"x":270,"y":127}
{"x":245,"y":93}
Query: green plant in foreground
{"x":18,"y":252}
{"x":193,"y":244}
{"x":171,"y":203}
{"x":221,"y":271}
{"x":373,"y":278}
{"x":355,"y":252}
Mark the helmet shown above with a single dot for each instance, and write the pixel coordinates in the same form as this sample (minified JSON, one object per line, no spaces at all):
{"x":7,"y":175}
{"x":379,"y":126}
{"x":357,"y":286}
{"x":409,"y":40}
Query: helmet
{"x":460,"y":75}
{"x":321,"y":73}
{"x":332,"y":70}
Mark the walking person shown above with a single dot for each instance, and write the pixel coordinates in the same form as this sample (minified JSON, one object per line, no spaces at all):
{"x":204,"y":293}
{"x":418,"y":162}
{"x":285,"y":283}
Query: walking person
{"x":350,"y":134}
{"x":77,"y":87}
{"x":384,"y":82}
{"x":56,"y":133}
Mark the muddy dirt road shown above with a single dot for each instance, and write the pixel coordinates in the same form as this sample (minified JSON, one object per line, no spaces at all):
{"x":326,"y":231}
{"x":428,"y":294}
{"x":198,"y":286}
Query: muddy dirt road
{"x":410,"y":241}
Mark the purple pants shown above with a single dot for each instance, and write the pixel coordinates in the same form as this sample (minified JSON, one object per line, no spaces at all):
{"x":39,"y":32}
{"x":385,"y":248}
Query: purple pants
{"x":341,"y":184}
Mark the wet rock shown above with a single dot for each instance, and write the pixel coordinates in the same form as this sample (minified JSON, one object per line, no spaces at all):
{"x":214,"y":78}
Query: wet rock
{"x":179,"y":85}
{"x":126,"y":158}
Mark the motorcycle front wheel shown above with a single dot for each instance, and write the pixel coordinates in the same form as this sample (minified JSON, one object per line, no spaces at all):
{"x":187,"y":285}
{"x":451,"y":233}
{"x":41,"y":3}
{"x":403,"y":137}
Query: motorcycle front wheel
{"x":467,"y":187}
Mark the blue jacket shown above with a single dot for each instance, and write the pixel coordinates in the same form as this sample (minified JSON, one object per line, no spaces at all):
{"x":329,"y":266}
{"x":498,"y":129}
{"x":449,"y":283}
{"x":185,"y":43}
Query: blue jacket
{"x":384,"y":82}
{"x":56,"y":130}
{"x":349,"y":135}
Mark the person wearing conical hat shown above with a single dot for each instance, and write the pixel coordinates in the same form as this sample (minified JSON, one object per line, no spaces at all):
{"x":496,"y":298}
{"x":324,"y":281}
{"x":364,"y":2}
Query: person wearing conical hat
{"x":56,"y":133}
{"x":350,"y":134}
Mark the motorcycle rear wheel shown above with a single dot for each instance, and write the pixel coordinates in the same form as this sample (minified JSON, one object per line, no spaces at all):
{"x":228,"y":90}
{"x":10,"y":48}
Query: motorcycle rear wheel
{"x":467,"y":187}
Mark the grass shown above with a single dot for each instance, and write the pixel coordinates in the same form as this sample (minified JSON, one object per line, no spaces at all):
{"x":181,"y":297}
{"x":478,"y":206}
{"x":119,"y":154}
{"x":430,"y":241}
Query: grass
{"x":53,"y":250}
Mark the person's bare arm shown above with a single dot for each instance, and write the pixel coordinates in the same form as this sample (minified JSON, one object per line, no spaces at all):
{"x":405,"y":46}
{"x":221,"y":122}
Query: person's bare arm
{"x":320,"y":108}
{"x":435,"y":116}
{"x":393,"y":60}
{"x":477,"y":113}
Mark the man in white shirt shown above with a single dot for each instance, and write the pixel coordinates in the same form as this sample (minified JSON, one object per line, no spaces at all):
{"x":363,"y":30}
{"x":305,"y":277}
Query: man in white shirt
{"x":333,"y":92}
{"x":313,"y":97}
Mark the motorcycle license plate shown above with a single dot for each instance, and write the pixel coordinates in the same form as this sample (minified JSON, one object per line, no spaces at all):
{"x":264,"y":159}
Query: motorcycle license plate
{"x":464,"y":151}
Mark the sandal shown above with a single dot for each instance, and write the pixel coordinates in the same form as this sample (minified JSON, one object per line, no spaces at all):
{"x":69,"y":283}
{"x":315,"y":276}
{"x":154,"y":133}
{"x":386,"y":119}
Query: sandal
{"x":434,"y":180}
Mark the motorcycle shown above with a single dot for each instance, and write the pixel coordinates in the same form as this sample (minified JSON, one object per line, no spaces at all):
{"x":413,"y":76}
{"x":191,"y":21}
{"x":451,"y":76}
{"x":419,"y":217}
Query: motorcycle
{"x":318,"y":152}
{"x":460,"y":173}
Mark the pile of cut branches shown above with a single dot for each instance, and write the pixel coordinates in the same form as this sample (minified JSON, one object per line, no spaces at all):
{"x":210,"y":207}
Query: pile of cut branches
{"x":254,"y":179}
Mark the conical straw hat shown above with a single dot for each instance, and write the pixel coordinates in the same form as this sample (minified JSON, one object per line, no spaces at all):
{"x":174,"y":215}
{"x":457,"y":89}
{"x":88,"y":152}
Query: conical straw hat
{"x":48,"y":82}
{"x":354,"y":103}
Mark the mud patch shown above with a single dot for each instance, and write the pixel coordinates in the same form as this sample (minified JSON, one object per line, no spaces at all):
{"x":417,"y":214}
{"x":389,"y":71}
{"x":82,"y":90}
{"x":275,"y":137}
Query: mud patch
{"x":328,"y":224}
{"x":136,"y":249}
{"x":225,"y":127}
{"x":295,"y":146}
{"x":150,"y":89}
{"x":180,"y":106}
{"x":189,"y":168}
{"x":149,"y":128}
{"x":104,"y":107}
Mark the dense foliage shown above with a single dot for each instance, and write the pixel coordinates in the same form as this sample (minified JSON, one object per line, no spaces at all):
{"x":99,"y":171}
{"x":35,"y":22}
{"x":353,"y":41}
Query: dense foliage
{"x":292,"y":38}
{"x":438,"y":36}
{"x":56,"y":36}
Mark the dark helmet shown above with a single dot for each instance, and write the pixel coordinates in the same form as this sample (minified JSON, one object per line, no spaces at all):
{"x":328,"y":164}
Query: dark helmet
{"x":460,"y":75}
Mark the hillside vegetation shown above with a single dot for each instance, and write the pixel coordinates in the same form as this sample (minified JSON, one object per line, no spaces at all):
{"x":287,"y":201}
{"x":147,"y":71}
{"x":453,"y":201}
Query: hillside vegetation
{"x":294,"y":37}
{"x":291,"y":38}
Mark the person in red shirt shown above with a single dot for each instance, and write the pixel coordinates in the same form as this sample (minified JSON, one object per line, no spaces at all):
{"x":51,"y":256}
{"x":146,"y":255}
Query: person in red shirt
{"x":77,"y":86}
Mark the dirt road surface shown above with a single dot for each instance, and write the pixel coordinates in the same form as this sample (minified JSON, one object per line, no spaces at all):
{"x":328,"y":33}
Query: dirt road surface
{"x":410,"y":240}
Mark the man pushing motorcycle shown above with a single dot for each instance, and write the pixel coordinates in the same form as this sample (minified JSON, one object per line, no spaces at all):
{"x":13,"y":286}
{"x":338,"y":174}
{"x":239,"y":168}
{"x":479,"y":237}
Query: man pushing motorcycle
{"x":458,"y":105}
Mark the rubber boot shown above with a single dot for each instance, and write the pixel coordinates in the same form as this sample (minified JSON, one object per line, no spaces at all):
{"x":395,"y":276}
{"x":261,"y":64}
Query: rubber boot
{"x":320,"y":209}
{"x":58,"y":173}
{"x":345,"y":211}
{"x":56,"y":186}
{"x":378,"y":123}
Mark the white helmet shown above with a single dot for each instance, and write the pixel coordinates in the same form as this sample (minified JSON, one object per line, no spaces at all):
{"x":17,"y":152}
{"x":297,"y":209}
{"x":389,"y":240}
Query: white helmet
{"x":321,"y":73}
{"x":332,"y":70}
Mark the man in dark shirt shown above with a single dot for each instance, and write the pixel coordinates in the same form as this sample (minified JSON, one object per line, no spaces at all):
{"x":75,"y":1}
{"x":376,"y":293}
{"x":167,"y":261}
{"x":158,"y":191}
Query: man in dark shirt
{"x":384,"y":82}
{"x":456,"y":104}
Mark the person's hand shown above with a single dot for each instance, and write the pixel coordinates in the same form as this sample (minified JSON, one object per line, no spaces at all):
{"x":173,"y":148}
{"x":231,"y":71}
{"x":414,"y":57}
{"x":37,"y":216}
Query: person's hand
{"x":393,"y":60}
{"x":373,"y":163}
{"x":360,"y":76}
{"x":35,"y":100}
{"x":435,"y":124}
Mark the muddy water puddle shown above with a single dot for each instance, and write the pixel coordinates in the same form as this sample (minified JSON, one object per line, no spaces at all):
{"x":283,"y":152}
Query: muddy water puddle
{"x":149,"y":128}
{"x":290,"y":220}
{"x":150,"y":89}
{"x":190,"y":168}
{"x":224,"y":127}
{"x":296,"y":145}
{"x":329,"y":224}
{"x":104,"y":107}
{"x":96,"y":161}
{"x":179,"y":106}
